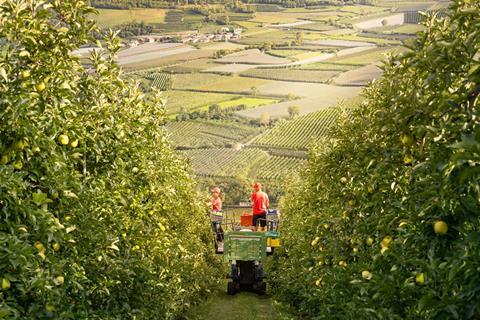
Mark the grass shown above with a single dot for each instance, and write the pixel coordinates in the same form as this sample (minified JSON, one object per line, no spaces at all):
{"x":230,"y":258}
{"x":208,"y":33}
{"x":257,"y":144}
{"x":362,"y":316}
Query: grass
{"x":114,"y":17}
{"x":242,"y":306}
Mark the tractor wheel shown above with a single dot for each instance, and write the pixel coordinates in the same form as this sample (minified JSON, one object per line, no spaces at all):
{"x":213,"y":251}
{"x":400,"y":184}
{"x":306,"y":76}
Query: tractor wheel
{"x":260,"y":287}
{"x":231,"y":288}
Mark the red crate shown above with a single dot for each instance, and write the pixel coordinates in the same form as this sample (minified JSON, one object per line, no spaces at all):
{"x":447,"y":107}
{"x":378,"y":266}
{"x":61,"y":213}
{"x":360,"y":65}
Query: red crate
{"x":246,"y":220}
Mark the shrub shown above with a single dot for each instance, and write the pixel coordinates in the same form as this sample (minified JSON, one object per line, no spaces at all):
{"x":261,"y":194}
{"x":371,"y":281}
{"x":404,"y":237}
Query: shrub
{"x":362,"y":240}
{"x":95,"y":204}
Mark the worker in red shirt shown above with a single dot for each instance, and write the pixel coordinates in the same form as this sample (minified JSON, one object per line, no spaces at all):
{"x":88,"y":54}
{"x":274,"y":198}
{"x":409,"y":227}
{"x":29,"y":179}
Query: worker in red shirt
{"x":260,"y":205}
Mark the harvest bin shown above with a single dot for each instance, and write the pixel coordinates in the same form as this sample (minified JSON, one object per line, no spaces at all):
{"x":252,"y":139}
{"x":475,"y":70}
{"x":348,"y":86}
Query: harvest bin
{"x":246,"y":220}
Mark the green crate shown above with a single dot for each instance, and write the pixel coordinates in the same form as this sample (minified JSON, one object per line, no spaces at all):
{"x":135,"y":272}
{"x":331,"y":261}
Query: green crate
{"x":244,"y":246}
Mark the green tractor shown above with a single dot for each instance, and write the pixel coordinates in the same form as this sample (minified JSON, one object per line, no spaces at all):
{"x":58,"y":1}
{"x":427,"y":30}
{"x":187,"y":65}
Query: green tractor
{"x":246,"y":252}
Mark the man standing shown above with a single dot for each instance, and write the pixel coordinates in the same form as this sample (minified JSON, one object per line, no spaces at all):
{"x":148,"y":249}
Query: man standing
{"x":260,"y":204}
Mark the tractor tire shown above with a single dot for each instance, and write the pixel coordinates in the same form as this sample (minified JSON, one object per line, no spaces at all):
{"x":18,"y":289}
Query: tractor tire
{"x":260,"y":288}
{"x":231,"y":288}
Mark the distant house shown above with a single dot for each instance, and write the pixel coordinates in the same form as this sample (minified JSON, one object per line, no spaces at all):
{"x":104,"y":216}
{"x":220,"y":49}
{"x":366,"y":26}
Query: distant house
{"x":237,"y":31}
{"x":225,"y":30}
{"x":132,"y":43}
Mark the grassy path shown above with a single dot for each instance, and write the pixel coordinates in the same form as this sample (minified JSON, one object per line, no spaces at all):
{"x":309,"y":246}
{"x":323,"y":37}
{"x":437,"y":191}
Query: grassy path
{"x":242,"y":306}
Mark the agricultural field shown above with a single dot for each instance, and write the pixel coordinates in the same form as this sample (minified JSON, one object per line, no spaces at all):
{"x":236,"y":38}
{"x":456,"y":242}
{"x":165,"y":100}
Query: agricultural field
{"x":168,"y":60}
{"x":248,"y":102}
{"x":215,"y":83}
{"x":340,"y":43}
{"x":327,"y":66}
{"x":291,"y":74}
{"x":209,"y":133}
{"x":252,"y":163}
{"x":406,"y":29}
{"x":363,"y":10}
{"x":267,"y":36}
{"x":320,"y":92}
{"x":286,"y":53}
{"x":366,"y":57}
{"x":300,"y":133}
{"x":177,"y":99}
{"x":229,"y":68}
{"x":252,"y":56}
{"x":225,"y":162}
{"x":221,"y":46}
{"x":113,"y":17}
{"x":360,"y":76}
{"x":315,"y":26}
{"x":160,"y":80}
{"x":277,"y":167}
{"x":190,"y":66}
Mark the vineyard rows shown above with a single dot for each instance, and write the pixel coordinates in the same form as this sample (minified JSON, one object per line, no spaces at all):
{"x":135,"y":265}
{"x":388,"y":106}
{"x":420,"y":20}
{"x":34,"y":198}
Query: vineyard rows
{"x":162,"y":81}
{"x":252,"y":162}
{"x":299,"y":133}
{"x":284,"y":74}
{"x":196,"y":134}
{"x":278,"y":167}
{"x":225,"y":162}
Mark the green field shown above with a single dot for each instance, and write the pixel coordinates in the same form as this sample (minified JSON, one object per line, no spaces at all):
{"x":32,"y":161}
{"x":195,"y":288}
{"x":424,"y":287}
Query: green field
{"x":300,"y":133}
{"x":192,"y":100}
{"x":246,"y":101}
{"x":114,"y":17}
{"x":215,"y":83}
{"x":209,"y":133}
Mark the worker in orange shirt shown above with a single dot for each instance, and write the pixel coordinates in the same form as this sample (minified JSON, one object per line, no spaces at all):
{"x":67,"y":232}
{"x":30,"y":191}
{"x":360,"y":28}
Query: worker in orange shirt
{"x":260,"y":205}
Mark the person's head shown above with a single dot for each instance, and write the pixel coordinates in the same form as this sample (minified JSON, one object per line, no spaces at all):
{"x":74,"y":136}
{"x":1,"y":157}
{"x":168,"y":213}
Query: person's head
{"x":216,"y":192}
{"x":257,"y":186}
